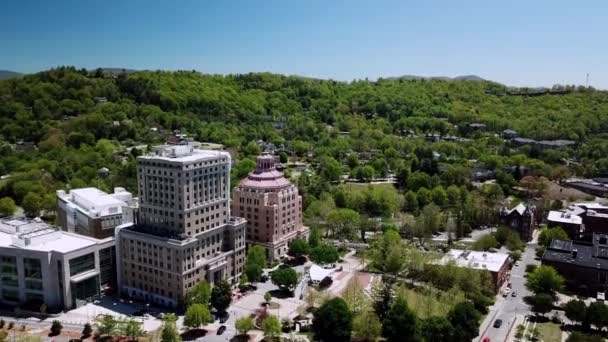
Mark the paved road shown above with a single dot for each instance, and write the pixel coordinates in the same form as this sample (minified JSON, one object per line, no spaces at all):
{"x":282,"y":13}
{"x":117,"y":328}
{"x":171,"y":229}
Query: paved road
{"x":510,"y":308}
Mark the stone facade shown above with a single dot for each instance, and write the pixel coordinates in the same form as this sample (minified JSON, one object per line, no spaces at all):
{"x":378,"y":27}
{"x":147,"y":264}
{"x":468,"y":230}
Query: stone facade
{"x":272,"y":207}
{"x":521,"y":218}
{"x":183,"y":232}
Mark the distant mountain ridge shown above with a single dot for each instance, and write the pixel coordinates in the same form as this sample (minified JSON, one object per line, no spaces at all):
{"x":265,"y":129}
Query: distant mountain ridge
{"x":115,"y":71}
{"x":4,"y":74}
{"x":444,"y":78}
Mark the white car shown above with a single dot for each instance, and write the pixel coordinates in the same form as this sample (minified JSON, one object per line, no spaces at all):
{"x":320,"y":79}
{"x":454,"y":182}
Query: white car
{"x":516,"y":263}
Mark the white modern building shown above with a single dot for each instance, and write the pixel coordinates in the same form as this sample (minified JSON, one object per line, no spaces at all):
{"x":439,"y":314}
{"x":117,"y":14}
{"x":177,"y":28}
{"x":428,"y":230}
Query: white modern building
{"x":40,"y":264}
{"x":497,"y":264}
{"x":92,"y":212}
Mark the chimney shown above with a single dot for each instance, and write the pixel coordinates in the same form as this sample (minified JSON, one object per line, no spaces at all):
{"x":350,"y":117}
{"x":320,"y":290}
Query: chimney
{"x":574,"y":253}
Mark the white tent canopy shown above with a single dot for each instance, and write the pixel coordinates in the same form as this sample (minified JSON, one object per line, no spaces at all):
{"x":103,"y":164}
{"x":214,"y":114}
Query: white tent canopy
{"x":318,"y":273}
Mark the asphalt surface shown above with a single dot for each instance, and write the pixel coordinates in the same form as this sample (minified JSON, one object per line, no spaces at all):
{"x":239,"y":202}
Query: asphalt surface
{"x":510,"y":308}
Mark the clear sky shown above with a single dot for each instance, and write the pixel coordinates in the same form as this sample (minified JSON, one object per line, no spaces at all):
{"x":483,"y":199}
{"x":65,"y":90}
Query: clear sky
{"x":531,"y":43}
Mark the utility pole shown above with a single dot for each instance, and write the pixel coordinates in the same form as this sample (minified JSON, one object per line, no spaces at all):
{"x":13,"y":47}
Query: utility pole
{"x":587,"y":81}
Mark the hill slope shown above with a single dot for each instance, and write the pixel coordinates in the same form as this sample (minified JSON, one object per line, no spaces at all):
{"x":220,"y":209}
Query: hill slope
{"x":4,"y":74}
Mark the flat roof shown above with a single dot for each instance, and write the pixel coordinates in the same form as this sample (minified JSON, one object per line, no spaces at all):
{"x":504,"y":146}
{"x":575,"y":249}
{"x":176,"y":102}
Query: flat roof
{"x":561,"y":251}
{"x":40,"y":236}
{"x":182,"y":153}
{"x":564,"y":216}
{"x":591,"y":205}
{"x":96,"y":197}
{"x":94,"y":202}
{"x":492,"y":262}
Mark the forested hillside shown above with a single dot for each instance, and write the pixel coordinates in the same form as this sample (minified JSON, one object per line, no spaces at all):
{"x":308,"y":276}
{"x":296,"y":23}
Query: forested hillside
{"x":61,"y":126}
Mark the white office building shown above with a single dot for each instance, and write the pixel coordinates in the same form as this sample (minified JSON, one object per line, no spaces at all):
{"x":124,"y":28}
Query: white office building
{"x":92,"y":212}
{"x":40,"y":264}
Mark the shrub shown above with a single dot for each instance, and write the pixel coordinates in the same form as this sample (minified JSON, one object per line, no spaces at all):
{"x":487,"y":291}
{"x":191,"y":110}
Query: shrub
{"x":56,"y":328}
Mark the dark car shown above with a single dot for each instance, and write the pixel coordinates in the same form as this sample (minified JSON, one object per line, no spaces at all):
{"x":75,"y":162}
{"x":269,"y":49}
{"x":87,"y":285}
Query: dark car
{"x":221,"y":329}
{"x":497,"y":323}
{"x":263,"y":278}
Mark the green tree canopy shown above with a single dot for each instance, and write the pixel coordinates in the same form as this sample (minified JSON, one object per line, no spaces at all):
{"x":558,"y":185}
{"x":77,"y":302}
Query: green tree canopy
{"x":298,"y":248}
{"x":199,"y":294}
{"x":255,"y":263}
{"x":324,"y":254}
{"x":544,"y":279}
{"x":197,"y":315}
{"x":548,"y":234}
{"x":7,"y":206}
{"x":465,"y":320}
{"x":366,"y":326}
{"x":333,"y":321}
{"x":221,"y":296}
{"x":271,"y":327}
{"x":243,"y":325}
{"x":285,"y":278}
{"x":400,"y":321}
{"x":576,"y":310}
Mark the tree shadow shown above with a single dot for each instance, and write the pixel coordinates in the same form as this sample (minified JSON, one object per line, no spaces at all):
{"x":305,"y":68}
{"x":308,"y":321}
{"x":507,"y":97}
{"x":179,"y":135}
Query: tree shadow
{"x":193,"y":334}
{"x":281,"y":294}
{"x":539,"y":319}
{"x":240,"y":338}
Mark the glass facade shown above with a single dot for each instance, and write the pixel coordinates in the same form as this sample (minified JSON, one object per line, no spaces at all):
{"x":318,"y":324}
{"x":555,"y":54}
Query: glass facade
{"x":11,"y":295}
{"x":82,"y":264}
{"x":107,"y":269}
{"x":85,"y":289}
{"x":33,"y":274}
{"x":8,"y":271}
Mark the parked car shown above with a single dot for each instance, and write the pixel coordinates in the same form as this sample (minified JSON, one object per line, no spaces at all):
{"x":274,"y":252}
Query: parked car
{"x":497,"y":323}
{"x":263,"y":278}
{"x":221,"y":329}
{"x":514,"y":294}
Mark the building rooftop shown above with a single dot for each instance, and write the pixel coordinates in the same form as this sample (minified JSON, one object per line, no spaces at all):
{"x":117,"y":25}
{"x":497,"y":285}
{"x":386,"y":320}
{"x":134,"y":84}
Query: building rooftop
{"x":564,"y":216}
{"x":557,"y":143}
{"x":492,"y":262}
{"x":520,"y":209}
{"x":184,"y":153}
{"x":37,"y":235}
{"x":96,"y":203}
{"x":265,"y":175}
{"x":524,"y":140}
{"x":591,"y":205}
{"x":584,"y":254}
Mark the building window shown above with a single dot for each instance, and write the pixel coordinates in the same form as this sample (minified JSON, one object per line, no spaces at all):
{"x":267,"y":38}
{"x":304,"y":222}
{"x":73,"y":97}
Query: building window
{"x":82,"y":264}
{"x":33,"y":274}
{"x":8,"y":272}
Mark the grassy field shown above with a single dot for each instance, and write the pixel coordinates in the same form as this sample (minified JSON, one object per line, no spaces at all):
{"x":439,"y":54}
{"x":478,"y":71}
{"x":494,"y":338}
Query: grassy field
{"x":427,"y":303}
{"x":549,"y":332}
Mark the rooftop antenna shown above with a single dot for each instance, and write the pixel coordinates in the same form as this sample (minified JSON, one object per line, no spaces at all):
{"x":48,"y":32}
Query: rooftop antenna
{"x":587,"y":81}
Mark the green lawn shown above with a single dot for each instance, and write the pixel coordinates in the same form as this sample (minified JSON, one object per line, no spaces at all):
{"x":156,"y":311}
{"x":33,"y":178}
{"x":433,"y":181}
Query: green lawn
{"x":549,"y":332}
{"x":427,"y":303}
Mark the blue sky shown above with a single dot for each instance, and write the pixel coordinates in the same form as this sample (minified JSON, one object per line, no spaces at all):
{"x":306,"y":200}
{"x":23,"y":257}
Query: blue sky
{"x":534,"y":42}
